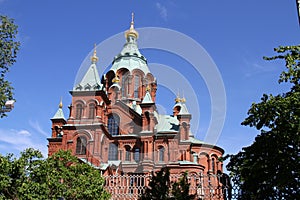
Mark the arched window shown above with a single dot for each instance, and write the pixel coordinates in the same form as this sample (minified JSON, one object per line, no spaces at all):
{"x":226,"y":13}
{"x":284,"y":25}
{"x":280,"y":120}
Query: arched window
{"x":136,"y":86}
{"x":81,"y":143}
{"x":113,"y":151}
{"x":79,"y":111}
{"x":127,"y":153}
{"x":161,"y":153}
{"x":113,"y":124}
{"x":136,"y":154}
{"x":92,"y":110}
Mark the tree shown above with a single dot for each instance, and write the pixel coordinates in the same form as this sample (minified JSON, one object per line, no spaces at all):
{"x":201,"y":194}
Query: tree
{"x":160,"y":187}
{"x":269,"y":168}
{"x":180,"y":190}
{"x":8,"y":53}
{"x":61,"y":176}
{"x":14,"y":174}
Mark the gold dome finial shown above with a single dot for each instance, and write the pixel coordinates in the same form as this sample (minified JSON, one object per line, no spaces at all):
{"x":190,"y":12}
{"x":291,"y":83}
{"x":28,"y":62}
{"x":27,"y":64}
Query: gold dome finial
{"x":183,"y":100}
{"x":132,"y":31}
{"x":94,"y":58}
{"x":60,"y":105}
{"x":177,"y":99}
{"x":148,"y":88}
{"x":116,"y":79}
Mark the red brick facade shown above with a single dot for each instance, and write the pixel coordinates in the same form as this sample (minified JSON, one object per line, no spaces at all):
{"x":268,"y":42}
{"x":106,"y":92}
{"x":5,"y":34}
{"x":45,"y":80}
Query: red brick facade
{"x":114,"y":125}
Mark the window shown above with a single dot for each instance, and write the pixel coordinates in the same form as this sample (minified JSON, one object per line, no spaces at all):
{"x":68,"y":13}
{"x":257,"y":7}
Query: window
{"x":127,"y":153}
{"x":113,"y":124}
{"x":136,"y":86}
{"x":213,"y":165}
{"x":161,"y":153}
{"x":113,"y":151}
{"x":137,"y":154}
{"x":79,"y":111}
{"x":124,"y":89}
{"x":92,"y":111}
{"x":81,"y":145}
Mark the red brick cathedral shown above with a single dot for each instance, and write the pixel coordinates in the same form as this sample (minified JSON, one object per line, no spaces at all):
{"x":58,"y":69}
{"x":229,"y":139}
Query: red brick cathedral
{"x":114,"y":124}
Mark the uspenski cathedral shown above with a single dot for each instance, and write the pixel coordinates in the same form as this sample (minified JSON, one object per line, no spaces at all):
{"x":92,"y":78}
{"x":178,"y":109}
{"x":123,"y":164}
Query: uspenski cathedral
{"x":114,"y":125}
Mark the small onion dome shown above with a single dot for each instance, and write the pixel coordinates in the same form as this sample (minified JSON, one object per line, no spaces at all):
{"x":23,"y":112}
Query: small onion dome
{"x":60,"y":103}
{"x":131,"y":31}
{"x":94,"y":58}
{"x":148,"y":88}
{"x":183,"y":100}
{"x":177,"y":99}
{"x":116,"y":79}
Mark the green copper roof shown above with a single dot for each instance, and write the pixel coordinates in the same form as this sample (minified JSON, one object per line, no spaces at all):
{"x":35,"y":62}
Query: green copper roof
{"x":90,"y":81}
{"x":130,"y":57}
{"x":185,"y":162}
{"x":195,"y":141}
{"x":183,"y":108}
{"x":167,"y":123}
{"x":147,"y":98}
{"x":59,"y":114}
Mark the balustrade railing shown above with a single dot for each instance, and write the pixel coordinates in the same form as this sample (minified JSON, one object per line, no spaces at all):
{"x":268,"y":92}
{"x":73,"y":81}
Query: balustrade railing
{"x":208,"y":186}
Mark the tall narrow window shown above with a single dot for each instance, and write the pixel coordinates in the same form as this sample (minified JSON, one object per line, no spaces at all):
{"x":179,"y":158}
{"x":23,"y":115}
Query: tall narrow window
{"x":127,"y":153}
{"x":81,"y":145}
{"x":213,"y":165}
{"x":124,"y":87}
{"x":136,"y":86}
{"x":92,"y":111}
{"x":113,"y":124}
{"x":113,"y":151}
{"x":79,"y":111}
{"x":137,"y":154}
{"x":161,"y":153}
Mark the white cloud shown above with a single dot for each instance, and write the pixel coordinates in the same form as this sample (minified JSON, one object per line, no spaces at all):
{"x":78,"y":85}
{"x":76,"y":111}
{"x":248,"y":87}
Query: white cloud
{"x":254,"y":68}
{"x":23,"y":132}
{"x":38,"y":128}
{"x":14,"y":141}
{"x":162,"y":11}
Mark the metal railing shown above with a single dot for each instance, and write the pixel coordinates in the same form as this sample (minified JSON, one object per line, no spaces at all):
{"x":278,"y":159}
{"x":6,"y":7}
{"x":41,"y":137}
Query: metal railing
{"x":203,"y":186}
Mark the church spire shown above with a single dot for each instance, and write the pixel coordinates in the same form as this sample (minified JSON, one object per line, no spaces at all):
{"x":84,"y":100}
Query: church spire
{"x":91,"y":79}
{"x":131,"y":31}
{"x":59,"y":113}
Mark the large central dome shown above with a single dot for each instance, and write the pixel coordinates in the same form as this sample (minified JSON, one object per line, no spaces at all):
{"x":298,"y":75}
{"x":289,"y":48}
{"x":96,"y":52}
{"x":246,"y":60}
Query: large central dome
{"x":130,"y":57}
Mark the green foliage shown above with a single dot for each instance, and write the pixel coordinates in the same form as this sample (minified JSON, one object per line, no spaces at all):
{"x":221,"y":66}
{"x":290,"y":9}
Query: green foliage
{"x":269,"y":168}
{"x":8,"y":53}
{"x":160,"y":187}
{"x":180,"y":190}
{"x":59,"y":176}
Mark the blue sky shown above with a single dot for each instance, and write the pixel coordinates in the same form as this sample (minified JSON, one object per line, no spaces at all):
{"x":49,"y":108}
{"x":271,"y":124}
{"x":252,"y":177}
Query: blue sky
{"x":56,"y":36}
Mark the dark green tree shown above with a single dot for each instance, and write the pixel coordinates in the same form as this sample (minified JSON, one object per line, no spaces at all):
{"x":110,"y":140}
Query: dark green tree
{"x":159,"y":186}
{"x":269,"y":168}
{"x":59,"y":176}
{"x":15,"y":173}
{"x":180,"y":190}
{"x":8,"y":53}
